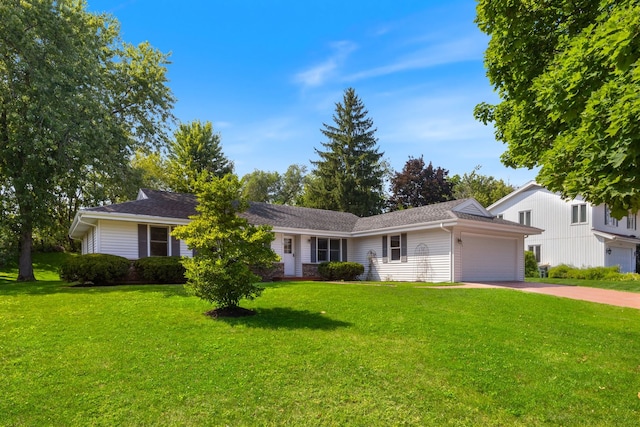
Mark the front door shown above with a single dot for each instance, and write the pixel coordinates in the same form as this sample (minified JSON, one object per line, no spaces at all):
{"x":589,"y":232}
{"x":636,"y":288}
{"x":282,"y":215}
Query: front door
{"x":289,"y":257}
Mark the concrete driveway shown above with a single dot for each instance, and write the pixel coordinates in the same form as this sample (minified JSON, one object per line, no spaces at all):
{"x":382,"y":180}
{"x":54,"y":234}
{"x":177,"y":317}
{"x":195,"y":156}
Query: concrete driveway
{"x":602,"y":296}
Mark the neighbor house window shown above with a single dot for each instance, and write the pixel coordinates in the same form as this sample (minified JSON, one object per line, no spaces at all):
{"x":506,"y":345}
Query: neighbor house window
{"x":158,"y":241}
{"x":632,"y":220}
{"x":328,"y":249}
{"x":608,"y":219}
{"x":536,"y":251}
{"x":524,"y":217}
{"x":579,"y":214}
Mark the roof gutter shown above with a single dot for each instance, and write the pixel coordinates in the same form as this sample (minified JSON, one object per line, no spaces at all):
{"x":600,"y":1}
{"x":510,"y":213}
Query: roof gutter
{"x":78,"y":220}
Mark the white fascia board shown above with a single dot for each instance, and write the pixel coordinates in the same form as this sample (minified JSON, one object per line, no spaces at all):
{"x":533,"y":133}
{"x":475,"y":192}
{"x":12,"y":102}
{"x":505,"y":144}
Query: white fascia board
{"x":514,"y":193}
{"x":309,"y":232}
{"x":149,"y":219}
{"x":617,"y":238}
{"x":407,"y":228}
{"x":518,"y":229}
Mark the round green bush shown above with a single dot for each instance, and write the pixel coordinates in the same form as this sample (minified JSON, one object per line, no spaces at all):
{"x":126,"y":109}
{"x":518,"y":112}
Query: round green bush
{"x":99,"y":269}
{"x":161,"y":269}
{"x":530,"y":265}
{"x":335,"y":270}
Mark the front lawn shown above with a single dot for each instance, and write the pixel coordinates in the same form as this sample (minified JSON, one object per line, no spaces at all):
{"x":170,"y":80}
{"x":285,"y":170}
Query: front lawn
{"x":315,"y":354}
{"x":628,"y":286}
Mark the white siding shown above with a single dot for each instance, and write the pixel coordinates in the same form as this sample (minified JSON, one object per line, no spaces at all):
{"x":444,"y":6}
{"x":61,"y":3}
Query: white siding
{"x":184,"y":249}
{"x":427,"y":258}
{"x":118,"y":238}
{"x":563,"y":242}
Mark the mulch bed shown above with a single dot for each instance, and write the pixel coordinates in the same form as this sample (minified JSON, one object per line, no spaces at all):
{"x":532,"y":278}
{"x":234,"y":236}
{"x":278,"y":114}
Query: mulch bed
{"x":230,"y":312}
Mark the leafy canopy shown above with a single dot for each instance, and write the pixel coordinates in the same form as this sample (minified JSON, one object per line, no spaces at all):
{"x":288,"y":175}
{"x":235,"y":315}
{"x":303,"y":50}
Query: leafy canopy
{"x":568,"y":75}
{"x":419,"y":185}
{"x":349,"y":176}
{"x":75,"y":101}
{"x":226,"y":246}
{"x":195,"y":149}
{"x":485,"y":189}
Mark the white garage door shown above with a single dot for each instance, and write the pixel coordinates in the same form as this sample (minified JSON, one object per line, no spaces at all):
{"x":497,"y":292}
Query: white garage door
{"x":488,"y":258}
{"x":622,"y":257}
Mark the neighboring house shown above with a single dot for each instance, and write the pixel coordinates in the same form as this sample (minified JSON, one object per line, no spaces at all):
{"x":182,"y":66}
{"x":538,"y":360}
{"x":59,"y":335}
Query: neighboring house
{"x":451,"y":241}
{"x":575,"y":232}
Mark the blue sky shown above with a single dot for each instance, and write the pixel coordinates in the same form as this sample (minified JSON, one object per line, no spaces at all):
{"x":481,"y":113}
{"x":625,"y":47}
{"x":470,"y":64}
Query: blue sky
{"x":267,"y":74}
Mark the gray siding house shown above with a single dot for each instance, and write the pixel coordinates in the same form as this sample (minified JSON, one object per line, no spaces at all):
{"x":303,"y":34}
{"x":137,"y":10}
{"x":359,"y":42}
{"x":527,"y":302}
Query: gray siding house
{"x":445,"y":242}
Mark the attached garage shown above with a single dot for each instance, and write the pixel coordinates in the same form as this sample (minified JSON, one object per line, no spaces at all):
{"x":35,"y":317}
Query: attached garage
{"x":489,"y":258}
{"x":622,"y":257}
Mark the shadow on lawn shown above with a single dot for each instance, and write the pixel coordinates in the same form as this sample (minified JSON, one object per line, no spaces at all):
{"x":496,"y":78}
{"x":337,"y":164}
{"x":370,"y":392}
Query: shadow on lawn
{"x":287,"y":318}
{"x":9,"y":287}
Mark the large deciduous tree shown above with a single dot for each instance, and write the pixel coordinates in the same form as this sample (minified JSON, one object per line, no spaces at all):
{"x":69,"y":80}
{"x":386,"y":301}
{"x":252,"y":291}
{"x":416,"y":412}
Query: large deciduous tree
{"x":349,"y":176}
{"x":74,"y":102}
{"x":485,"y":189}
{"x":568,"y":75}
{"x":273,"y":187}
{"x":419,"y":185}
{"x":227,"y":247}
{"x":196,"y":148}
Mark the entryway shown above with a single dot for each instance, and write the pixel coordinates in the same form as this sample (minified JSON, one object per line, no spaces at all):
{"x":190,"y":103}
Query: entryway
{"x":289,"y":256}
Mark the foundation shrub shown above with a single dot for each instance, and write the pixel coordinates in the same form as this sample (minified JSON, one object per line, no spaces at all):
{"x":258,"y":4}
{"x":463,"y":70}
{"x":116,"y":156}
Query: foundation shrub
{"x":336,"y":270}
{"x":99,"y":269}
{"x":161,"y":269}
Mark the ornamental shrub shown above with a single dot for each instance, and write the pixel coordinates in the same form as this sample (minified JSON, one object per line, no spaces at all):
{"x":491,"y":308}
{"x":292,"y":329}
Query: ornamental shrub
{"x":167,"y":269}
{"x":530,"y":265}
{"x":99,"y":269}
{"x":336,"y":270}
{"x":593,"y":273}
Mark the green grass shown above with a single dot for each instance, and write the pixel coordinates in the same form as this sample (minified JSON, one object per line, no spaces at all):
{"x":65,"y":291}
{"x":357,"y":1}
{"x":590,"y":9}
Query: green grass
{"x":628,"y":286}
{"x":315,"y":354}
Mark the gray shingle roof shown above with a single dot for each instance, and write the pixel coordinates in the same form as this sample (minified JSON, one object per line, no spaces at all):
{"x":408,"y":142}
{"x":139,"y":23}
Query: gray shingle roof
{"x":420,"y":215}
{"x":181,"y":206}
{"x":158,"y":203}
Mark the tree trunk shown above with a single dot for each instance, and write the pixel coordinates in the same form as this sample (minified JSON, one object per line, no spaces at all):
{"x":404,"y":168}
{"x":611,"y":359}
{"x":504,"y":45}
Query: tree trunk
{"x":25,"y":267}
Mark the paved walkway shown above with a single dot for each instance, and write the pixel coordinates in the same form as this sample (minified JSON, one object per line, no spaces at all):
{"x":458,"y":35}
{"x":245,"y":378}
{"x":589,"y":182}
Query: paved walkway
{"x":602,"y":296}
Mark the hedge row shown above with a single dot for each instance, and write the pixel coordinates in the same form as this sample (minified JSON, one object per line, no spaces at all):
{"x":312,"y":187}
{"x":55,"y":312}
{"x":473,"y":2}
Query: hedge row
{"x":103,"y":269}
{"x":334,"y":270}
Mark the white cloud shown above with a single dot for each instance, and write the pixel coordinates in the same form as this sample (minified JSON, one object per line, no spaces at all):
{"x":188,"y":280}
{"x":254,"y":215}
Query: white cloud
{"x":465,"y":49}
{"x":318,"y":74}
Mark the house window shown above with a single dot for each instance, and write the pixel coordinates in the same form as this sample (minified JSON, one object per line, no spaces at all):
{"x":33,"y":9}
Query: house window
{"x":579,"y":214}
{"x":328,"y":249}
{"x":158,"y":241}
{"x":608,"y":219}
{"x":394,"y":247}
{"x":632,"y":220}
{"x":500,"y":216}
{"x":524,"y":218}
{"x":536,"y":251}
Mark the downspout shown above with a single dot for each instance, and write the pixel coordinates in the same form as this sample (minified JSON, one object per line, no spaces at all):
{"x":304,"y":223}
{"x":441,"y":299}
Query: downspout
{"x":450,"y":252}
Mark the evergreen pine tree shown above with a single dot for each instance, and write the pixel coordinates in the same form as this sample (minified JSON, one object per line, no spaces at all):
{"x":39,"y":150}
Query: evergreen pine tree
{"x":349,"y":176}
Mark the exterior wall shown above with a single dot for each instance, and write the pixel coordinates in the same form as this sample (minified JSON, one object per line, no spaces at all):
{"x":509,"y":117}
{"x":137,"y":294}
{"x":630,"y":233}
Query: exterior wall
{"x":118,"y":238}
{"x":89,"y":242}
{"x":563,"y":242}
{"x":427,"y":258}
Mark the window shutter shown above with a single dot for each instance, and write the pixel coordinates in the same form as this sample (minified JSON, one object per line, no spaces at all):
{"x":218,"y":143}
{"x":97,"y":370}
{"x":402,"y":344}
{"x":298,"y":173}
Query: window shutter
{"x":175,"y":246}
{"x":403,"y":247}
{"x":344,"y":250}
{"x":314,"y":254}
{"x":385,"y":257}
{"x":142,"y":241}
